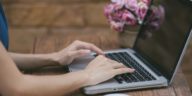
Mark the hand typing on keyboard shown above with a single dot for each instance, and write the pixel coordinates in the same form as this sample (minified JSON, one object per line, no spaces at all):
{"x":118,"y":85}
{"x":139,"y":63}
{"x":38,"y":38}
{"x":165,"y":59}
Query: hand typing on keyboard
{"x":102,"y":69}
{"x":139,"y":75}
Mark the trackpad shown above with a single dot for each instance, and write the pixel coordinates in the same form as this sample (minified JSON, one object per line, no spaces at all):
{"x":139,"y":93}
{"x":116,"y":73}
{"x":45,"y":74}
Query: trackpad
{"x":80,"y":63}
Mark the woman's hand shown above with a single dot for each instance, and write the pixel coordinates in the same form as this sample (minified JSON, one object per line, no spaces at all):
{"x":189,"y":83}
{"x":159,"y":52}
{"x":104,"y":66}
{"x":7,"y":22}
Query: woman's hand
{"x":75,"y":50}
{"x":102,"y":69}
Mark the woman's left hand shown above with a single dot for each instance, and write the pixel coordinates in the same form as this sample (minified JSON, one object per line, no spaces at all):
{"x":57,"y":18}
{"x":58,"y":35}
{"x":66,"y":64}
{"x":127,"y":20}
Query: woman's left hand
{"x":75,"y":50}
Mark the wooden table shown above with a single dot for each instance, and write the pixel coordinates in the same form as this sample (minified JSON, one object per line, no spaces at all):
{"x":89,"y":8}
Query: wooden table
{"x":53,"y":42}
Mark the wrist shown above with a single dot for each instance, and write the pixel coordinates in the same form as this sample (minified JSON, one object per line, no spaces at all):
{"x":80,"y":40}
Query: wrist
{"x":86,"y":78}
{"x":53,"y":58}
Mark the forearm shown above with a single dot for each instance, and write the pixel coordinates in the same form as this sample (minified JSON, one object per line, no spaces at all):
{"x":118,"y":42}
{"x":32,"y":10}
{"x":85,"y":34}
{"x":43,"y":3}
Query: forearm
{"x":50,"y":85}
{"x":14,"y":83}
{"x":31,"y":61}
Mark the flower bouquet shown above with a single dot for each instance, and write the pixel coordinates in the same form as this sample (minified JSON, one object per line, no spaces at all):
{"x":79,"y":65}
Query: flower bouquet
{"x":127,"y":15}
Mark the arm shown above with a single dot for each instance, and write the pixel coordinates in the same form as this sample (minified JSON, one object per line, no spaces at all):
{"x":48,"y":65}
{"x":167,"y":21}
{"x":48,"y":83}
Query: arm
{"x":63,"y":57}
{"x":32,"y":61}
{"x":14,"y":83}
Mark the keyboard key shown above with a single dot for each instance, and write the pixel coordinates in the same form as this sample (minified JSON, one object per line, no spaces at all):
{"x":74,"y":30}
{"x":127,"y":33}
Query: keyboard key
{"x":118,"y":79}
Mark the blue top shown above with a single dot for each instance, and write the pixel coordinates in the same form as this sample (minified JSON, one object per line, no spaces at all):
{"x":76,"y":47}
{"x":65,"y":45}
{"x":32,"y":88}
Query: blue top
{"x":3,"y":29}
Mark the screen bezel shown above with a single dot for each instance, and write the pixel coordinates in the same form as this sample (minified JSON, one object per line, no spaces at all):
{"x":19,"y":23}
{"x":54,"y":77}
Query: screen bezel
{"x":181,"y":51}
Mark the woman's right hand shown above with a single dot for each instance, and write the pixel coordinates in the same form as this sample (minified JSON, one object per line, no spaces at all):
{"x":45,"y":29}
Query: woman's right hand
{"x":102,"y":69}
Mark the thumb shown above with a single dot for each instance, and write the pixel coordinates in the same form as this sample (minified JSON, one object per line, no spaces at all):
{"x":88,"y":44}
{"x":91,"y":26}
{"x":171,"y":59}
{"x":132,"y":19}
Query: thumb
{"x":80,"y":53}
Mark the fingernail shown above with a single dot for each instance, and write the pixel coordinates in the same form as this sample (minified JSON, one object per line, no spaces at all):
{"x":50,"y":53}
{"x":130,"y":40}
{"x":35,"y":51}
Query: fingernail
{"x":132,"y":70}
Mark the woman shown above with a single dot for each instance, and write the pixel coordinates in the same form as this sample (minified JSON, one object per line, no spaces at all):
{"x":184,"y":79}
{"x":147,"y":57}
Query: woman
{"x":14,"y":83}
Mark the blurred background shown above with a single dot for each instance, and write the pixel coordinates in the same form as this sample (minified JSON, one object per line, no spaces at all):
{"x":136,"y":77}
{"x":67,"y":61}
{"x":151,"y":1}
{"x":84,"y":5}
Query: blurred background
{"x":68,"y":19}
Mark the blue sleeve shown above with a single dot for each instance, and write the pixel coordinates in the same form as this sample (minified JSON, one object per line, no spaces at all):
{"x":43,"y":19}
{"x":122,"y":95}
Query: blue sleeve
{"x":3,"y":29}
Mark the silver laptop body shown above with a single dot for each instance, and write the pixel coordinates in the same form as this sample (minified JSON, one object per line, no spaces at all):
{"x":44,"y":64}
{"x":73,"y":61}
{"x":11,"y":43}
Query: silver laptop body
{"x":151,"y":58}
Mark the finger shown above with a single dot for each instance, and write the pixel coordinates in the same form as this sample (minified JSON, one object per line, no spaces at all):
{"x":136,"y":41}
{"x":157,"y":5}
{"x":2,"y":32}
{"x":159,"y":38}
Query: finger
{"x":91,"y":47}
{"x":118,"y":65}
{"x":122,"y":71}
{"x":96,"y":49}
{"x":114,"y":65}
{"x":111,"y":61}
{"x":79,"y":53}
{"x":102,"y":58}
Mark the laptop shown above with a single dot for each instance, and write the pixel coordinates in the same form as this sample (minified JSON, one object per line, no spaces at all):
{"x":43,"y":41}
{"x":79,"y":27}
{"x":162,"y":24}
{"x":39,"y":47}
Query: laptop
{"x":156,"y":57}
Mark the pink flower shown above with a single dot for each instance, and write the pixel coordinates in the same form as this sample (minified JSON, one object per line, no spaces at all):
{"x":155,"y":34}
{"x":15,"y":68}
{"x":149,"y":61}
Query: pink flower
{"x":108,"y":10}
{"x":146,"y":1}
{"x":131,"y":4}
{"x":141,"y":11}
{"x":129,"y":18}
{"x":119,"y":2}
{"x":122,"y":13}
{"x":111,"y":10}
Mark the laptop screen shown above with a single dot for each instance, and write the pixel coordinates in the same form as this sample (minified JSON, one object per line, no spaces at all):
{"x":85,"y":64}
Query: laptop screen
{"x":163,"y":35}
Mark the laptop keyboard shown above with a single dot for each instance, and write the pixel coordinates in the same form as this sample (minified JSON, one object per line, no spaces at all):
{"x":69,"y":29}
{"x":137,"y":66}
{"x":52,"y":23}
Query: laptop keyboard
{"x":140,"y":73}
